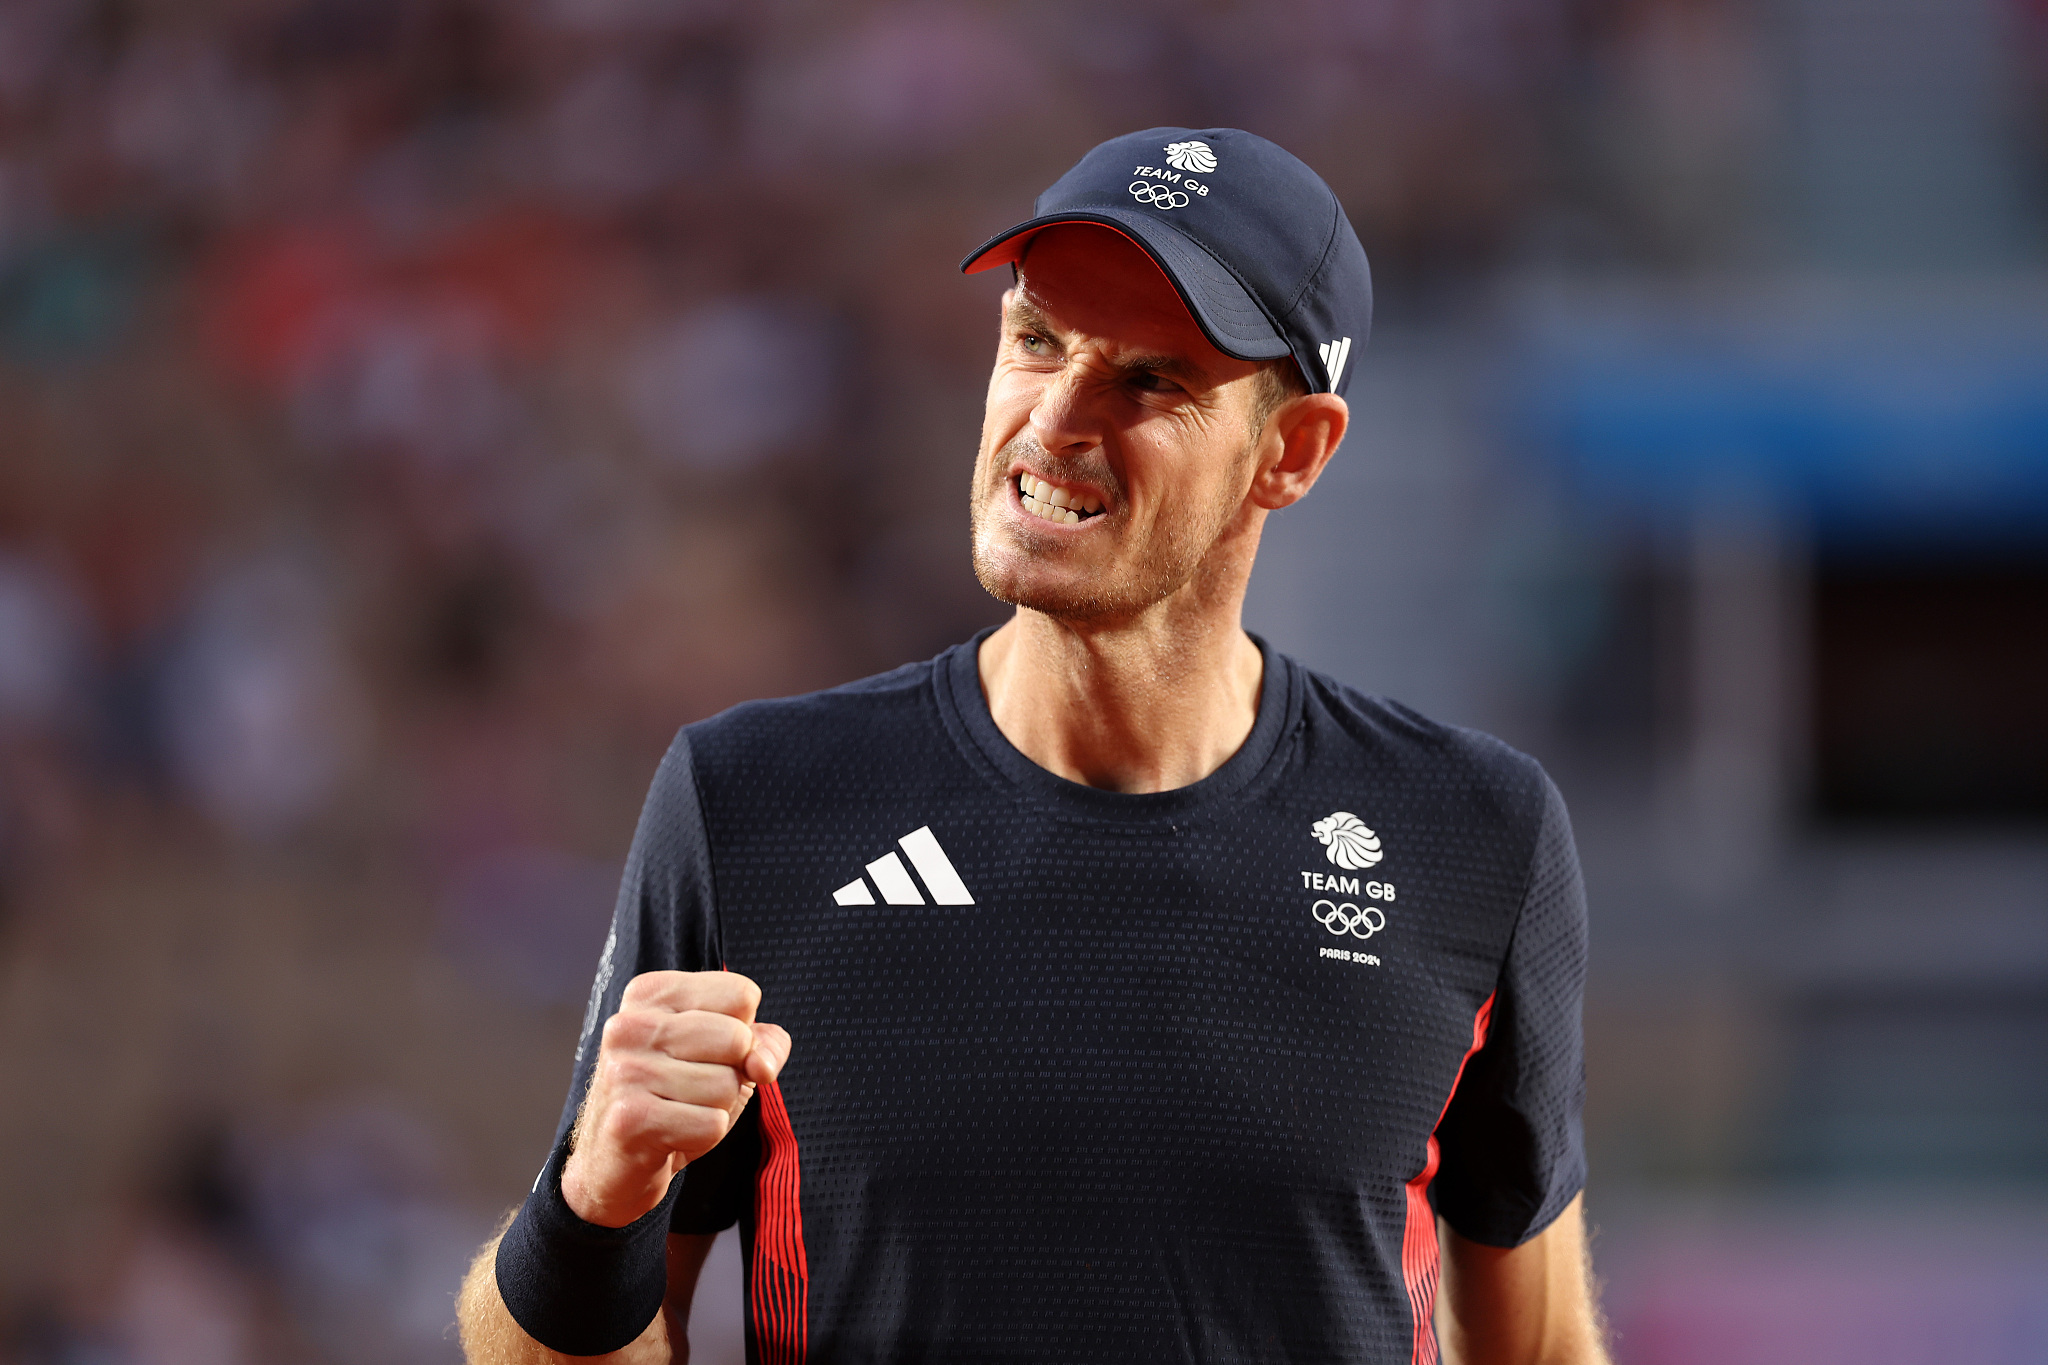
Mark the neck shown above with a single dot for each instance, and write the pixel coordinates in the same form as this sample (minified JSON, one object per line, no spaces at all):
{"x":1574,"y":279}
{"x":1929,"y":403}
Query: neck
{"x":1143,"y":705}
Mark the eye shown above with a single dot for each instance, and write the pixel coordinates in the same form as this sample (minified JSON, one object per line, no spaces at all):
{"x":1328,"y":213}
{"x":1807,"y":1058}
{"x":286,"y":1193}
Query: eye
{"x":1033,"y":343}
{"x":1146,"y":381}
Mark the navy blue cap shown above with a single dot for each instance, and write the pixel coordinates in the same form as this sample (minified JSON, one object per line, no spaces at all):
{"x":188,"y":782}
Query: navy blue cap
{"x":1256,"y":244}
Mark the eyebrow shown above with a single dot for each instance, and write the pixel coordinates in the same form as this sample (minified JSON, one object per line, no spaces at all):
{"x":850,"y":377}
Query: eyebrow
{"x":1027,"y":316}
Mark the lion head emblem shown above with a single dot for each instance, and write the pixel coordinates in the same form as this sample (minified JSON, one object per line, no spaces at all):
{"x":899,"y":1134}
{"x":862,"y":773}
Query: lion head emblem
{"x":1346,"y":840}
{"x":1190,"y":156}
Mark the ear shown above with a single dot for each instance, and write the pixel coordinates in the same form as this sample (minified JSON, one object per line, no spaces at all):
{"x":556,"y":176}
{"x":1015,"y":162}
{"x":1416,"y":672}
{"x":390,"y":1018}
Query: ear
{"x":1299,"y":439}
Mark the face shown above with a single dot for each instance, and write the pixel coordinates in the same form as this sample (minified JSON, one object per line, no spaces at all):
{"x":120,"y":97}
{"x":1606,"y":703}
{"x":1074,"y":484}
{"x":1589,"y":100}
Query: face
{"x":1116,"y":451}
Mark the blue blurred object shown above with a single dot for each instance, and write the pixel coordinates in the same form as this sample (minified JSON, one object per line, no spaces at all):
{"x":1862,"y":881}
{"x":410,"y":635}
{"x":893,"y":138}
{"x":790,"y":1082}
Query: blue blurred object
{"x":71,"y":296}
{"x":1870,"y":419}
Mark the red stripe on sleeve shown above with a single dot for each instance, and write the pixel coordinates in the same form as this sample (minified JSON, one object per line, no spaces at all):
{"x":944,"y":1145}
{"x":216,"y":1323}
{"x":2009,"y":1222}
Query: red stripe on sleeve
{"x":1421,"y":1257}
{"x":780,"y":1278}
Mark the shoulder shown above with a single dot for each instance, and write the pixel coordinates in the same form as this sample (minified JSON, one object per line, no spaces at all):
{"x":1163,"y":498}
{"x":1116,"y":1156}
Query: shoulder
{"x":809,"y":729}
{"x":1435,"y":762}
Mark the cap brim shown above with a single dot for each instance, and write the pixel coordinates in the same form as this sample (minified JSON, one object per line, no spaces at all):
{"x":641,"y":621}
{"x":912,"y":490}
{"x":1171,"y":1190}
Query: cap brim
{"x":1220,"y":305}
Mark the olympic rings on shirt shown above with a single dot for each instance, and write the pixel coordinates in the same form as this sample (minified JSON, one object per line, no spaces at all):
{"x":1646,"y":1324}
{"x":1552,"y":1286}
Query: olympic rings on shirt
{"x":1158,"y":196}
{"x":1349,"y":919}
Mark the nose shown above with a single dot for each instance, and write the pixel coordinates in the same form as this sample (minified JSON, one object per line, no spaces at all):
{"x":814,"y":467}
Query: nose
{"x":1064,"y":419}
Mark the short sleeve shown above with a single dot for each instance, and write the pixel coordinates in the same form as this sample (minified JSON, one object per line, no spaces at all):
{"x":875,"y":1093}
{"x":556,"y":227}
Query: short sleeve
{"x":665,"y":919}
{"x":1512,"y":1140}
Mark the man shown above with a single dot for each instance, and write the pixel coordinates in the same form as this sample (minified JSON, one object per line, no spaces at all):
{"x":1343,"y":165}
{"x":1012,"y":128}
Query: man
{"x":1151,"y":996}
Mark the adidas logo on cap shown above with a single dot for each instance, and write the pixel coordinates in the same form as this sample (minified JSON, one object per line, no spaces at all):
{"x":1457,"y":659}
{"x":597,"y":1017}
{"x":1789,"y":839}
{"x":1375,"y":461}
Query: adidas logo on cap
{"x":1334,"y":354}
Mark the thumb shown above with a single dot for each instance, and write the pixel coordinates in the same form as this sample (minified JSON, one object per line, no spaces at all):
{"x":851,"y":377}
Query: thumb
{"x":771,"y":1049}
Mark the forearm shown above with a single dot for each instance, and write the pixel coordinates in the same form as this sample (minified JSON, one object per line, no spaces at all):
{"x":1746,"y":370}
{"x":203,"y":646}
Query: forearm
{"x":491,"y":1336}
{"x":676,"y":1065}
{"x":1535,"y":1304}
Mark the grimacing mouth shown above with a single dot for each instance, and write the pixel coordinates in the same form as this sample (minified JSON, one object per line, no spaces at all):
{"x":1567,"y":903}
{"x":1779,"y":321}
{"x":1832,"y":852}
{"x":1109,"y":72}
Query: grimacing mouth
{"x":1048,"y":501}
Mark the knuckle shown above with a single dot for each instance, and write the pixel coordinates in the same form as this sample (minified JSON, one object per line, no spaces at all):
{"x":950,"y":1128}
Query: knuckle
{"x":725,"y":1088}
{"x":703,"y":1036}
{"x":652,"y":987}
{"x":626,"y":1029}
{"x":723,"y":1039}
{"x":705,"y":1127}
{"x":627,"y":1119}
{"x":705,"y":990}
{"x":630,"y":1072}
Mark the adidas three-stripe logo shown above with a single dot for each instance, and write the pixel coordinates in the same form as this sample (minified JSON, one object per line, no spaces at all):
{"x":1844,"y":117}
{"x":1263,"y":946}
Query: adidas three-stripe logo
{"x":1334,"y":354}
{"x":921,"y":846}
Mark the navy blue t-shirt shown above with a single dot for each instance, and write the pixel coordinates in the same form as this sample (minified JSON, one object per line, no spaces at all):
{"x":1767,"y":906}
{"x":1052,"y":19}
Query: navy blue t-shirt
{"x":1082,"y":1075}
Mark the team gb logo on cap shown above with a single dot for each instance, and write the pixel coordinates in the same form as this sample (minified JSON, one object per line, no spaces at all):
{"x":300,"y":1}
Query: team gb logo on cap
{"x":1190,"y":156}
{"x":1346,"y":840}
{"x":1156,"y":185}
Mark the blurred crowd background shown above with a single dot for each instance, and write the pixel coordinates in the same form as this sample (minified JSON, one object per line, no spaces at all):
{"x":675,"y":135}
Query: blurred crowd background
{"x":411,"y":411}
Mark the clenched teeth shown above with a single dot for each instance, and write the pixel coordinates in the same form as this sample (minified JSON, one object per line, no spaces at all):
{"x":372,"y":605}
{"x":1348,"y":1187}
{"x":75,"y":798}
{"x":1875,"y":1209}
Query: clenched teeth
{"x":1051,"y":502}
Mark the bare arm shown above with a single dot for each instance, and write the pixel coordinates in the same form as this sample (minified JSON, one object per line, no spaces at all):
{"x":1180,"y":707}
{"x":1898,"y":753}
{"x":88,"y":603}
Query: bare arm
{"x":490,"y":1336}
{"x":1528,"y":1305}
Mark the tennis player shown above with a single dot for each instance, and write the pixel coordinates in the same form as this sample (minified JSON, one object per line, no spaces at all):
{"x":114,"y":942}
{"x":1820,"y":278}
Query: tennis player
{"x":1137,"y":993}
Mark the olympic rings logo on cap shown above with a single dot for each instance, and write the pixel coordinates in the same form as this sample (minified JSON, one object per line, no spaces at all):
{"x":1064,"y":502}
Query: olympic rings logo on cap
{"x":1349,"y":919}
{"x":1158,"y":196}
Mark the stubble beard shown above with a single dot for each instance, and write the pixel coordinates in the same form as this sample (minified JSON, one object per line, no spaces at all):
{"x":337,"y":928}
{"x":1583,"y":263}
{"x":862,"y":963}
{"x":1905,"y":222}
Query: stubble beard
{"x":1141,"y":577}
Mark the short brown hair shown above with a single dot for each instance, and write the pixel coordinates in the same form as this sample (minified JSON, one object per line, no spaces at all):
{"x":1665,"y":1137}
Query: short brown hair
{"x":1275,"y":383}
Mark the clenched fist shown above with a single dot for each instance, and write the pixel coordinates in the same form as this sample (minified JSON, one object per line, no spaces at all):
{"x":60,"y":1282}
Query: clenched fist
{"x":675,"y":1067}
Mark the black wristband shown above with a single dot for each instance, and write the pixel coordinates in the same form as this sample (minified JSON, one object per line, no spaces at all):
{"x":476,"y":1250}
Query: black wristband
{"x":578,"y":1288}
